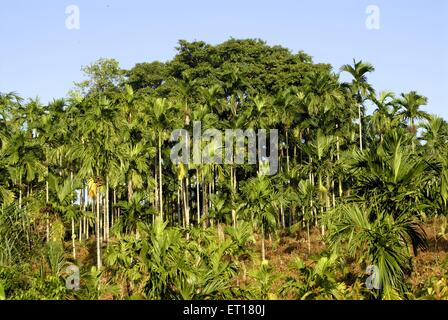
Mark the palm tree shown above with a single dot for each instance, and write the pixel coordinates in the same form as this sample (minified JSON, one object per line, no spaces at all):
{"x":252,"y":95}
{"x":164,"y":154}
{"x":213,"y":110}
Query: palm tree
{"x":306,"y":193}
{"x":435,"y":134}
{"x":161,"y":118}
{"x":62,"y":203}
{"x":133,"y":159}
{"x":286,"y":113}
{"x":320,"y":152}
{"x":376,"y":237}
{"x":390,"y":176}
{"x":359,"y":87}
{"x":9,"y":103}
{"x":24,"y":159}
{"x":384,"y":118}
{"x":136,"y":211}
{"x":258,"y":197}
{"x":95,"y":151}
{"x":410,"y":104}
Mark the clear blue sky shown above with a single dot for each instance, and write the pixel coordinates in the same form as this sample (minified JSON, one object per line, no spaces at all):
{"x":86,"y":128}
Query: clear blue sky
{"x":39,"y":56}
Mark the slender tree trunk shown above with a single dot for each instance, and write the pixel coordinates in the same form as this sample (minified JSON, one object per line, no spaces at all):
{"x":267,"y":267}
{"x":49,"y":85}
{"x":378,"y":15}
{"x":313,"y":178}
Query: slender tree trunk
{"x":287,"y":152}
{"x":87,"y":222}
{"x":198,"y":202}
{"x":360,"y":126}
{"x":87,"y":227}
{"x":73,"y":238}
{"x":156,"y":184}
{"x":292,"y":214}
{"x":101,"y":217}
{"x":213,"y":188}
{"x":282,"y":214}
{"x":333,"y":196}
{"x":205,"y":200}
{"x":20,"y":194}
{"x":263,"y":250}
{"x":340,"y":187}
{"x":179,"y":206}
{"x":322,"y":225}
{"x":233,"y":177}
{"x":187,"y":197}
{"x":112,"y":210}
{"x":186,"y":207}
{"x":107,"y":210}
{"x":130,"y":190}
{"x":160,"y":177}
{"x":98,"y":235}
{"x":47,"y":219}
{"x":80,"y":230}
{"x":308,"y":233}
{"x":81,"y":206}
{"x":209,"y":222}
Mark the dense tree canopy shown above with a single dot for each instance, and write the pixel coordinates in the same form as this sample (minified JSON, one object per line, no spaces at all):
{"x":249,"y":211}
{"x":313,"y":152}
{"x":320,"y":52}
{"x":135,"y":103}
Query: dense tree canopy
{"x":92,"y":172}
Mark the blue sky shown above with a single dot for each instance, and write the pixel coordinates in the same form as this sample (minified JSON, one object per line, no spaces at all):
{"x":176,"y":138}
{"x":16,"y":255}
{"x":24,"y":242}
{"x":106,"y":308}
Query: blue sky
{"x":39,"y":56}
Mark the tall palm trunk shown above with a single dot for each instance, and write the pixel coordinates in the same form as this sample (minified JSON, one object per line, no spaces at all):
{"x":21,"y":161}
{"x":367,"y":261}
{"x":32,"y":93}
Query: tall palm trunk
{"x":107,"y":210}
{"x":198,"y":202}
{"x":47,"y":215}
{"x":20,"y":192}
{"x":233,"y":184}
{"x":308,"y":230}
{"x":209,"y":221}
{"x":263,"y":249}
{"x":212,"y":191}
{"x":205,"y":200}
{"x":287,"y":152}
{"x":79,"y":230}
{"x":179,"y":205}
{"x":98,"y":235}
{"x":413,"y":135}
{"x":160,"y":177}
{"x":338,"y":157}
{"x":81,"y":219}
{"x":186,"y":207}
{"x":130,"y":190}
{"x":156,"y":185}
{"x":112,"y":209}
{"x":282,"y":215}
{"x":106,"y":213}
{"x":322,"y":226}
{"x":73,"y":238}
{"x":360,"y":126}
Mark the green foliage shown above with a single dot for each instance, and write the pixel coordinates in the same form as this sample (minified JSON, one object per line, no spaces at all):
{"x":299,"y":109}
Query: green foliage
{"x":263,"y":279}
{"x":21,"y":282}
{"x":315,"y":282}
{"x":378,"y":239}
{"x":16,"y":237}
{"x":163,"y":265}
{"x":98,"y":166}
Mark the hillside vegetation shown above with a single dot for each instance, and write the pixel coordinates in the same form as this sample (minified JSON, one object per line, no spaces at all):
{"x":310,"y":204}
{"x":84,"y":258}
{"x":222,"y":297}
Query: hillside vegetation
{"x":88,"y":181}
